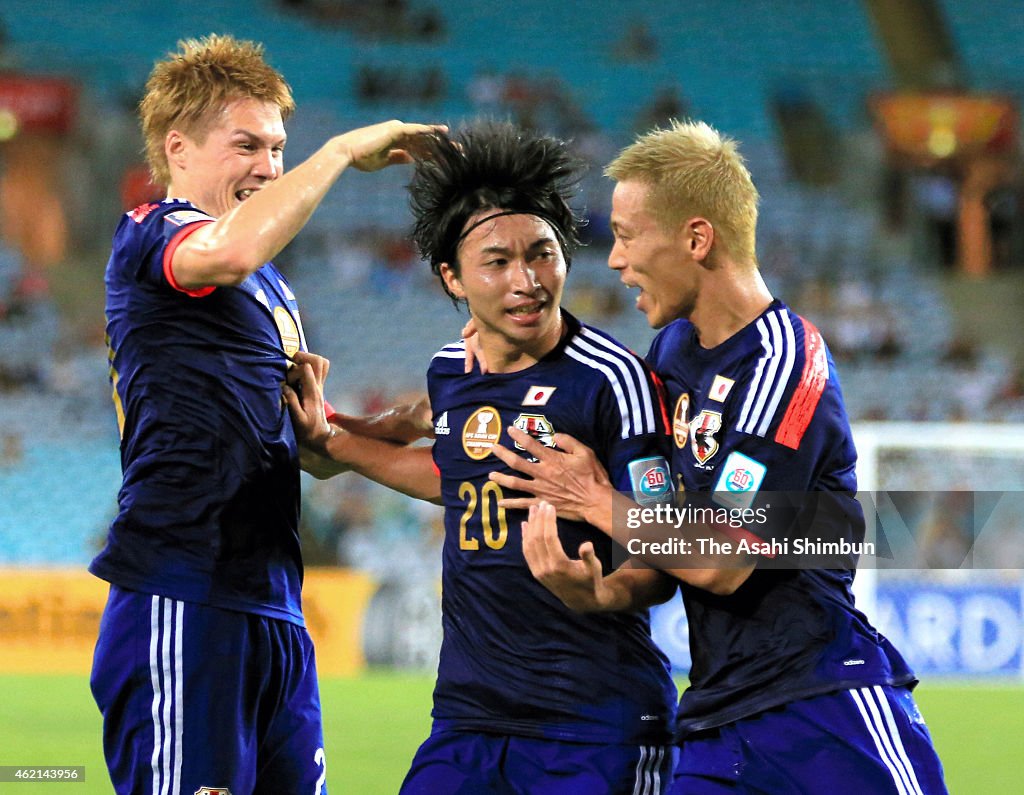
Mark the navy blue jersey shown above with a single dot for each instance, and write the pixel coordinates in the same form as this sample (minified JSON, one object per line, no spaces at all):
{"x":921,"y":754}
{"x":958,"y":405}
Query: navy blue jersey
{"x":514,"y":659}
{"x":761,"y":417}
{"x":209,"y":506}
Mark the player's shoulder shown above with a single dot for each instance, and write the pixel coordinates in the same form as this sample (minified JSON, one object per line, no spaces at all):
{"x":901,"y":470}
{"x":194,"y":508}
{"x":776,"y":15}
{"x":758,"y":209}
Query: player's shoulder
{"x":597,"y":350}
{"x":784,"y":375}
{"x":451,"y":358}
{"x":621,"y":381}
{"x":156,"y":216}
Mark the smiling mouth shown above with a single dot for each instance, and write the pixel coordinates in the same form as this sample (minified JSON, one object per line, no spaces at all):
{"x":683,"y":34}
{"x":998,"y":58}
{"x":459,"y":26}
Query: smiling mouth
{"x":527,"y":309}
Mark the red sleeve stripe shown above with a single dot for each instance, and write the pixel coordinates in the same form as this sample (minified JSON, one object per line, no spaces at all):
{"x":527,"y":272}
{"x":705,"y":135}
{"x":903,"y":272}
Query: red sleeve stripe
{"x":808,"y":392}
{"x":659,"y":389}
{"x":437,"y":469}
{"x":329,"y":410}
{"x":738,"y":534}
{"x":172,"y":246}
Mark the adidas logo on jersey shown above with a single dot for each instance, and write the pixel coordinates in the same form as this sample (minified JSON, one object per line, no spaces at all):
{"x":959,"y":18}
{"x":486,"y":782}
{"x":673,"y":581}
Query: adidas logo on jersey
{"x":441,"y":426}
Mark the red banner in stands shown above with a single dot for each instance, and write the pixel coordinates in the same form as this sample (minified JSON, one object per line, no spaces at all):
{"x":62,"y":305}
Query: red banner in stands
{"x":39,"y":104}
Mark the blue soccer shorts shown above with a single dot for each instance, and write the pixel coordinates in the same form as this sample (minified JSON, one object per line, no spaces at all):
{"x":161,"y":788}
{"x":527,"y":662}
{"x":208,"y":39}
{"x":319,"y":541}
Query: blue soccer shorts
{"x":864,"y":741}
{"x":200,"y":699}
{"x":473,"y":763}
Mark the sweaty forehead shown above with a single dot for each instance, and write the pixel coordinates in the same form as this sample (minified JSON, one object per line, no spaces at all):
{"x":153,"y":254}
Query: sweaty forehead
{"x":505,"y":231}
{"x":252,"y":115}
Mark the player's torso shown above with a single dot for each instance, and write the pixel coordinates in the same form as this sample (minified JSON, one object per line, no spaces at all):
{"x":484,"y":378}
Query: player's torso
{"x":512,"y":650}
{"x":758,"y":420}
{"x":208,"y":452}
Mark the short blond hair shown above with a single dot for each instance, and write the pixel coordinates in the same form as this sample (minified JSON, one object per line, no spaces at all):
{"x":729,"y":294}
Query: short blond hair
{"x":188,"y":88}
{"x":692,"y":170}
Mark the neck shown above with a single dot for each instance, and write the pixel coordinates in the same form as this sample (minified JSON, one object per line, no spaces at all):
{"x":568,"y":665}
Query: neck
{"x":731,"y":298}
{"x":506,"y":355}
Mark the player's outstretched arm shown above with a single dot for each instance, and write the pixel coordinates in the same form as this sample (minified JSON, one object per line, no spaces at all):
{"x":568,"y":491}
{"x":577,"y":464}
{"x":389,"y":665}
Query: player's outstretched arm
{"x":580,"y":584}
{"x":239,"y":242}
{"x":403,"y":423}
{"x":329,"y":450}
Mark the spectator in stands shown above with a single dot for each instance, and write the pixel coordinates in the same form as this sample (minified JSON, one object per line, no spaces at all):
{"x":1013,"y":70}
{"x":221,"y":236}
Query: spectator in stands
{"x":637,"y":44}
{"x":203,"y":556}
{"x":781,"y":657}
{"x":667,"y":104}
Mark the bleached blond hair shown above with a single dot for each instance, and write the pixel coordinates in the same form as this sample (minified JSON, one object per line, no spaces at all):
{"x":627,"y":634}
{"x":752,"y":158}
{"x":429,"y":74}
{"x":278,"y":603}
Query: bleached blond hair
{"x":690,"y":170}
{"x":189,"y":88}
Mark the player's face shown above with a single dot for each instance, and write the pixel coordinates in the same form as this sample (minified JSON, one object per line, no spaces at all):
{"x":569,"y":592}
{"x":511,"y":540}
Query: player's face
{"x":651,"y":258}
{"x":242,"y":152}
{"x":512,"y":272}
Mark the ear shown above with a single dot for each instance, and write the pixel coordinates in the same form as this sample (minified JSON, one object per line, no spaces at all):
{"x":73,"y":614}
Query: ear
{"x":175,"y":145}
{"x":451,"y":281}
{"x":699,"y":237}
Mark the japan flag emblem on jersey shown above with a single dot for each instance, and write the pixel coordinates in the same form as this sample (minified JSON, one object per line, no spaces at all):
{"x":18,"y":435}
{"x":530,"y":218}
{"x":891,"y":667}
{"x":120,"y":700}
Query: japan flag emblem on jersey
{"x":720,"y":388}
{"x":538,"y":395}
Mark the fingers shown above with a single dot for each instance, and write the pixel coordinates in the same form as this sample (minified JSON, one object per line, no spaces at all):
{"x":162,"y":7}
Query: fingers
{"x":474,"y":353}
{"x":510,"y":459}
{"x":589,"y":558}
{"x":390,"y":143}
{"x":399,"y":157}
{"x":291,"y":399}
{"x":542,"y":547}
{"x":529,"y":444}
{"x":512,"y":503}
{"x":321,"y":364}
{"x":507,"y":481}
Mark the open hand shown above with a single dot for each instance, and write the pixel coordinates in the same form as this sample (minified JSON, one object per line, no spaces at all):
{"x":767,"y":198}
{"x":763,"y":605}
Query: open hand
{"x":388,"y":143}
{"x":570,"y":477}
{"x":579,"y":584}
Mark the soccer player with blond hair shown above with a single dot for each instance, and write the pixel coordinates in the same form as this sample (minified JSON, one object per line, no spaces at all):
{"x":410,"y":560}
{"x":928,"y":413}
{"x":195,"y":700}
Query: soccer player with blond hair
{"x":791,"y":688}
{"x":203,"y":670}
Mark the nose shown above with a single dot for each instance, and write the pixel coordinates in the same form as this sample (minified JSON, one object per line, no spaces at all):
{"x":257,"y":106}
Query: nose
{"x":524,"y":277}
{"x":616,"y":257}
{"x":266,"y":165}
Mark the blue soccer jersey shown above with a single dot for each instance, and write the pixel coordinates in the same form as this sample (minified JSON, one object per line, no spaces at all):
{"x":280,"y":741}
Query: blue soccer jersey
{"x":762,"y":416}
{"x":514,"y":659}
{"x":209,"y":506}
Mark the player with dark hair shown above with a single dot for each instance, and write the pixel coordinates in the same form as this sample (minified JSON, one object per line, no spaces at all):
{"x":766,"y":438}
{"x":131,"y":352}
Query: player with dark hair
{"x":203,"y":670}
{"x":791,"y":688}
{"x":531,"y":696}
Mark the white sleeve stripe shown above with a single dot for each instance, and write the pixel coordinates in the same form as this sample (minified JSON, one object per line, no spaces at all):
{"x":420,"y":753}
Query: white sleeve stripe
{"x":616,"y":386}
{"x":771,"y":370}
{"x":783,"y":380}
{"x":636,"y":410}
{"x":758,"y":374}
{"x":638,"y":368}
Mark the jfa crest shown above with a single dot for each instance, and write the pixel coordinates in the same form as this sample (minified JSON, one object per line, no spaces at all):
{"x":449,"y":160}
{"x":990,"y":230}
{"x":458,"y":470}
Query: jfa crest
{"x":538,"y":426}
{"x":212,"y":791}
{"x":702,"y":435}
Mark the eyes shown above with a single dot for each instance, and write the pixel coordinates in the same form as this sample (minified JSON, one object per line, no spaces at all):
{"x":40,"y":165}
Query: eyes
{"x":250,"y":148}
{"x":542,"y":256}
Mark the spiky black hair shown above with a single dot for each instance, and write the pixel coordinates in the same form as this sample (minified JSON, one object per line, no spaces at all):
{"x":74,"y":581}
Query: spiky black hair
{"x":491,"y":165}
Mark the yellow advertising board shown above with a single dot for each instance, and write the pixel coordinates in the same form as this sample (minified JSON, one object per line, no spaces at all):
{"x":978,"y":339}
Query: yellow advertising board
{"x":49,"y":619}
